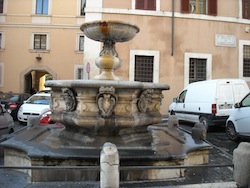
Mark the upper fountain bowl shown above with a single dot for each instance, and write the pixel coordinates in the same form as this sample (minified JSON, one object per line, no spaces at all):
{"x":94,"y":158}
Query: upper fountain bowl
{"x":110,"y":30}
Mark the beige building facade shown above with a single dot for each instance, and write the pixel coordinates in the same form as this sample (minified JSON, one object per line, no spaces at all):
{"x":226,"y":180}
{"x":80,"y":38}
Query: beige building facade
{"x":180,"y":41}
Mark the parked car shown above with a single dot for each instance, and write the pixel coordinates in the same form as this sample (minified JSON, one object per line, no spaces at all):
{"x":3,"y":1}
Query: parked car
{"x":34,"y":106}
{"x":208,"y":102}
{"x":12,"y":102}
{"x":45,"y":91}
{"x":238,"y":123}
{"x":45,"y":119}
{"x":6,"y":122}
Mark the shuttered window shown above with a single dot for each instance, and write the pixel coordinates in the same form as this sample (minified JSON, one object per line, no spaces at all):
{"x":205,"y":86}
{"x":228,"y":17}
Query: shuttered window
{"x":199,"y":7}
{"x":145,"y":4}
{"x":246,"y":9}
{"x":212,"y":7}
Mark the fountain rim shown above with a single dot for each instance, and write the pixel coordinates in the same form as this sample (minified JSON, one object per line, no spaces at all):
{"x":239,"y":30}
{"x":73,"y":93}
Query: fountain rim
{"x":107,"y":83}
{"x":99,"y":23}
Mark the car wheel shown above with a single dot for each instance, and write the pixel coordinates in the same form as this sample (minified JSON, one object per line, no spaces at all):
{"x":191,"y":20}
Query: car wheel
{"x":172,"y":112}
{"x":231,"y":132}
{"x":11,"y":131}
{"x":22,"y":123}
{"x":204,"y":121}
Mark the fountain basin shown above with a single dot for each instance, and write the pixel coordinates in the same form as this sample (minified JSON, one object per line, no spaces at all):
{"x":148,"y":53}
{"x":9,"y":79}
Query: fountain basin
{"x":111,"y":30}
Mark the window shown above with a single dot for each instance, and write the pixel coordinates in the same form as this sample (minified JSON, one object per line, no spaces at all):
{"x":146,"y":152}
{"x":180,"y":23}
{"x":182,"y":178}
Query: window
{"x":1,"y":6}
{"x":40,"y":41}
{"x":2,"y":43}
{"x":197,"y":67}
{"x":81,"y":43}
{"x":1,"y":39}
{"x":42,"y":6}
{"x":144,"y":65}
{"x":246,"y":60}
{"x":145,"y":4}
{"x":182,"y":96}
{"x":78,"y":72}
{"x":199,"y":6}
{"x":246,"y":9}
{"x":1,"y":74}
{"x":246,"y":101}
{"x":83,"y":5}
{"x":144,"y":68}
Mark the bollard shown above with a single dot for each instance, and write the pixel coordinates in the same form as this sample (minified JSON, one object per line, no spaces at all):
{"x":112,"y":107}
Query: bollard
{"x":33,"y":120}
{"x":173,"y":120}
{"x":241,"y":156}
{"x":109,"y":164}
{"x":199,"y":132}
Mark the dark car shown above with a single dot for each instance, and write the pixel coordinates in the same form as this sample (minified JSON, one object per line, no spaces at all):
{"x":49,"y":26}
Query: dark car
{"x":12,"y":102}
{"x":6,"y":122}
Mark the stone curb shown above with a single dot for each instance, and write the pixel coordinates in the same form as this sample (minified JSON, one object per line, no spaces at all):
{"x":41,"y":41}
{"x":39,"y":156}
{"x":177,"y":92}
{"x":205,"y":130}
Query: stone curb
{"x":208,"y":185}
{"x":95,"y":185}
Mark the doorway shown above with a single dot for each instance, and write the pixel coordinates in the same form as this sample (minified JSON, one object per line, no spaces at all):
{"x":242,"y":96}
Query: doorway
{"x":33,"y":79}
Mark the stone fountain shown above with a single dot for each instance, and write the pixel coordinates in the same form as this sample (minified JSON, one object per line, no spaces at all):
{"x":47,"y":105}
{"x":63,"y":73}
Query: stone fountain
{"x":105,"y":109}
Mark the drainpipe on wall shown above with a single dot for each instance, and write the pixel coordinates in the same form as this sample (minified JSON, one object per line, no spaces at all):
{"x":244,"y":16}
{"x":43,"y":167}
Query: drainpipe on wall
{"x":172,"y":37}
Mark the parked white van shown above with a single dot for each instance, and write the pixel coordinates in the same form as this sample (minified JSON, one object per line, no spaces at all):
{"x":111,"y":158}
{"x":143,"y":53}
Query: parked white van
{"x":209,"y":102}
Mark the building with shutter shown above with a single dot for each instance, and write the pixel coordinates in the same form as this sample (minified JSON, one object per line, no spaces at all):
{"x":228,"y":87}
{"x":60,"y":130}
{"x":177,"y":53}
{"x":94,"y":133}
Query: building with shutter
{"x":180,"y":41}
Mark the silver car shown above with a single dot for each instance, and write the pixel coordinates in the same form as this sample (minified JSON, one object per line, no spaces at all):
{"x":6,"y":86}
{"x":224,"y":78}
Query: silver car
{"x":6,"y":122}
{"x":238,"y":123}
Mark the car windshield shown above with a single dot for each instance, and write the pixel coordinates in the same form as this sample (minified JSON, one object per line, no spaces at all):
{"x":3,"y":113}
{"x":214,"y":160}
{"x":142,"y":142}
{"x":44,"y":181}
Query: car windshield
{"x":15,"y":98}
{"x":39,"y":100}
{"x":246,"y":101}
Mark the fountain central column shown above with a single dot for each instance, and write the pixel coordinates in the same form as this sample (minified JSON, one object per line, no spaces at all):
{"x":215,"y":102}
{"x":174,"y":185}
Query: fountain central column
{"x":108,"y":61}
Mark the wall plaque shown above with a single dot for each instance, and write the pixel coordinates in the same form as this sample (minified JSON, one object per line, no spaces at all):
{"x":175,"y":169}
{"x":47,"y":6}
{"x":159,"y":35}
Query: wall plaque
{"x":225,"y":40}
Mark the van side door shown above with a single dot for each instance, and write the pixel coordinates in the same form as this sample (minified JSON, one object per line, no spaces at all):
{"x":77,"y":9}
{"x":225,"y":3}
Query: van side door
{"x":180,"y":105}
{"x":225,"y":98}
